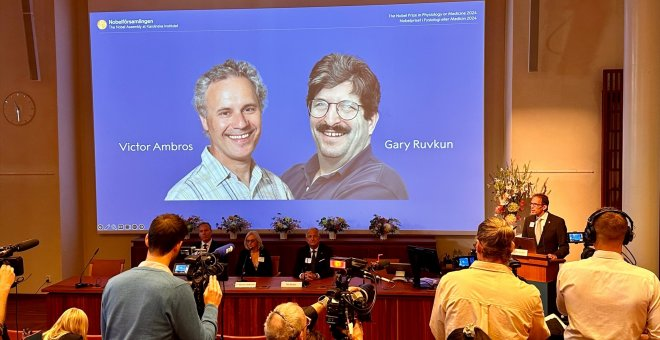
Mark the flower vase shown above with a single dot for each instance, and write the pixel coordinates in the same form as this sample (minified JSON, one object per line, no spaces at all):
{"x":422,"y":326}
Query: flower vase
{"x":283,"y":236}
{"x":383,"y":237}
{"x":232,"y":235}
{"x":332,"y":235}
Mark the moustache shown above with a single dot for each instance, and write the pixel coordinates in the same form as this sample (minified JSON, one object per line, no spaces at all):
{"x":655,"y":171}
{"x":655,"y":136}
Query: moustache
{"x":323,"y":127}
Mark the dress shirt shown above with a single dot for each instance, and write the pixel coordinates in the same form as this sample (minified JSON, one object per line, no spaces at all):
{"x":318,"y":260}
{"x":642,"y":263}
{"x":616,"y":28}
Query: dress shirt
{"x":213,"y":181}
{"x":490,"y":297}
{"x":607,"y":298}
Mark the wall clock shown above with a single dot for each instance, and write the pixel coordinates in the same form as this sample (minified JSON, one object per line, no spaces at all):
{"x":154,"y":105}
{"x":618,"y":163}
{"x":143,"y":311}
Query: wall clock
{"x":18,"y":108}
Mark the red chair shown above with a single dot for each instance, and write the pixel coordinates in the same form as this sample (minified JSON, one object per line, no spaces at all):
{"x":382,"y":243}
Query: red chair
{"x":94,"y":337}
{"x":242,"y":337}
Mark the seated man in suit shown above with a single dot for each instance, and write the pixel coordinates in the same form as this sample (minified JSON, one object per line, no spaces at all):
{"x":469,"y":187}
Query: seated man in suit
{"x":603,"y":296}
{"x":549,"y":230}
{"x":313,"y":260}
{"x":205,"y":235}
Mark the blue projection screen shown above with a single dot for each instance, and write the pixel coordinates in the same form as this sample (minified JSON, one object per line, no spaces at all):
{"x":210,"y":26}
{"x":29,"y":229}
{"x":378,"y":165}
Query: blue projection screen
{"x":428,"y":58}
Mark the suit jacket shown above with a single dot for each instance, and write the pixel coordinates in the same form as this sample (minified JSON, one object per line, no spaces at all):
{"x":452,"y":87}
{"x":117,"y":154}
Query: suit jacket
{"x":554,"y":239}
{"x":213,"y":246}
{"x":323,"y":255}
{"x":244,"y":261}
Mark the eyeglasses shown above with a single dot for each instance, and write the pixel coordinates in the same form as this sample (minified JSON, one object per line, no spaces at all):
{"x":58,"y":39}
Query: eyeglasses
{"x":251,"y":240}
{"x":346,"y":109}
{"x":536,"y":204}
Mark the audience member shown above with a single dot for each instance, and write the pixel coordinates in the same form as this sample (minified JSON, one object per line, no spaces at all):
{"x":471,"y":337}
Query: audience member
{"x":148,"y":302}
{"x":72,"y":325}
{"x":487,"y":294}
{"x":254,"y":260}
{"x":549,"y":230}
{"x":313,"y":260}
{"x":603,"y":296}
{"x":6,"y":280}
{"x":206,"y":238}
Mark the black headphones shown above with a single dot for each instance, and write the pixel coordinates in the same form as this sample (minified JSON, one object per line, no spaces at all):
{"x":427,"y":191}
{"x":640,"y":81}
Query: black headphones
{"x":590,"y":229}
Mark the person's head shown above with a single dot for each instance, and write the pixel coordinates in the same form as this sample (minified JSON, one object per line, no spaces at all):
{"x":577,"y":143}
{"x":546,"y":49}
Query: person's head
{"x":611,"y":228}
{"x":253,"y":241}
{"x":312,"y":237}
{"x":286,"y":322}
{"x":230,"y":99}
{"x":495,"y":240}
{"x":166,"y":233}
{"x":342,"y":98}
{"x":539,"y":204}
{"x":205,"y":232}
{"x":73,"y":320}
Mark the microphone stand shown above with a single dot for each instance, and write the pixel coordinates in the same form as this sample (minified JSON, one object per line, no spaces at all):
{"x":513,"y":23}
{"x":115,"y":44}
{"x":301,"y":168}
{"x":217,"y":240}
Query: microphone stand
{"x":243,"y":271}
{"x":81,"y":284}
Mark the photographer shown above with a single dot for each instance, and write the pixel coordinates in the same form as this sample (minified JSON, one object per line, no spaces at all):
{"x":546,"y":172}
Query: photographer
{"x":148,"y":302}
{"x":487,"y":294}
{"x":6,"y":280}
{"x":289,"y":321}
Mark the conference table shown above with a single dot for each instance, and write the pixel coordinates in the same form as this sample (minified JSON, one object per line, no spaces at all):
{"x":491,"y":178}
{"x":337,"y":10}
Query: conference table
{"x":400,"y":311}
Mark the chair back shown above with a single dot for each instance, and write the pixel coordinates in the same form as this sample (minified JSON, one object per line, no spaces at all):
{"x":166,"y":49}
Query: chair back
{"x":94,"y":337}
{"x":108,"y":268}
{"x":241,"y":337}
{"x":276,"y":267}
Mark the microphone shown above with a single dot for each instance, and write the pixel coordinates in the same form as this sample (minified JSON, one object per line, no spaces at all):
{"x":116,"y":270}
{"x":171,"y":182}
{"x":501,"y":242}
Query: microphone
{"x":375,"y":277}
{"x":81,"y":284}
{"x":224,"y":250}
{"x":25,"y":245}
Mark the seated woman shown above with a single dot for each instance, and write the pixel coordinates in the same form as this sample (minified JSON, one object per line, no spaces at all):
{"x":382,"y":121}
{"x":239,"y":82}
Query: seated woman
{"x":254,"y":260}
{"x":72,"y":325}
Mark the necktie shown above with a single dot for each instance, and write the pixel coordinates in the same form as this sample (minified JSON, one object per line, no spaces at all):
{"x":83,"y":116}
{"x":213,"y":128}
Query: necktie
{"x":205,"y":247}
{"x":538,"y":229}
{"x":313,"y":258}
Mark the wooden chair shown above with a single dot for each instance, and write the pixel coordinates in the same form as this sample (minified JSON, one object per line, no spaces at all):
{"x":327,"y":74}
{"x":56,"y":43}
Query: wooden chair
{"x":242,"y":337}
{"x":276,"y":267}
{"x":107,"y":268}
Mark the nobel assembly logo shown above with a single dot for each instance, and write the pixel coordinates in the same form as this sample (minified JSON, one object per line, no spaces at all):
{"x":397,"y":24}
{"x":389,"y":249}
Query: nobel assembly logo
{"x":102,"y":24}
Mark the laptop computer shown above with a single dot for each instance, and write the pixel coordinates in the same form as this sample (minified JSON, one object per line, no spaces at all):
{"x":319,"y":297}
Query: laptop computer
{"x":527,"y":243}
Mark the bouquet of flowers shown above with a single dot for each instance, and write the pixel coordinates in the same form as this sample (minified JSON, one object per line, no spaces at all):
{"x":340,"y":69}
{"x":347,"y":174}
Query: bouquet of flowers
{"x":333,"y":224}
{"x":284,"y":224}
{"x":512,"y":186}
{"x":234,"y":224}
{"x":193,"y":222}
{"x":380,"y":225}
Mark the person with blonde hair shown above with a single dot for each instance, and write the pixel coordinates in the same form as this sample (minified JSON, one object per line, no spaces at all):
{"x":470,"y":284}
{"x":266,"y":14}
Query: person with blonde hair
{"x":72,"y":325}
{"x":254,"y":260}
{"x":488,"y":295}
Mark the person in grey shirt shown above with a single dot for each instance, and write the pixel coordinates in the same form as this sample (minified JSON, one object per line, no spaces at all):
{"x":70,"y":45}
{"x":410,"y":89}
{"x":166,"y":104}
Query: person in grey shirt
{"x":148,"y":302}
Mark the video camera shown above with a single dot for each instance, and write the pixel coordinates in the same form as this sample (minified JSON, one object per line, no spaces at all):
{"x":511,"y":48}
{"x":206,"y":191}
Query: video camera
{"x":344,"y":305}
{"x":16,"y":262}
{"x":201,"y":265}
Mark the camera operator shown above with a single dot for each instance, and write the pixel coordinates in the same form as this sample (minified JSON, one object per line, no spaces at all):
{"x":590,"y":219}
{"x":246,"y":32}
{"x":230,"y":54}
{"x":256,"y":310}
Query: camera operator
{"x":290,"y":321}
{"x":6,"y":280}
{"x":603,"y":296}
{"x":148,"y":302}
{"x":487,"y":294}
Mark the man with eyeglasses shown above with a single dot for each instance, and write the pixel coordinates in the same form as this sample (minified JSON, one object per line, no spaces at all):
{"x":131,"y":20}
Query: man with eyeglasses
{"x":342,"y":100}
{"x":230,"y":99}
{"x":549,"y":230}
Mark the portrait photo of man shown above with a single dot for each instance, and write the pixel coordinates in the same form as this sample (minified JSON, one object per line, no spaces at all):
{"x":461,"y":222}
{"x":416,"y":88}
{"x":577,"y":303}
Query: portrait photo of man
{"x":230,"y":99}
{"x":342,"y":101}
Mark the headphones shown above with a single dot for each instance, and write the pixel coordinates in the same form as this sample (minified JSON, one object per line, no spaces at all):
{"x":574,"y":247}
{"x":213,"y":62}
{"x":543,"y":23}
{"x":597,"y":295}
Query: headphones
{"x":590,"y":229}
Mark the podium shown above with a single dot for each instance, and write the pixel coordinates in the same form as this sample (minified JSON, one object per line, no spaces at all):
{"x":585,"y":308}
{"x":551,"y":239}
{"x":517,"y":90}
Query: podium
{"x":541,"y":271}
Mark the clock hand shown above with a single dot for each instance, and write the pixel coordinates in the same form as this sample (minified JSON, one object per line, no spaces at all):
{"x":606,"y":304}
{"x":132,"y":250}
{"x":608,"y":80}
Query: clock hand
{"x":18,"y":112}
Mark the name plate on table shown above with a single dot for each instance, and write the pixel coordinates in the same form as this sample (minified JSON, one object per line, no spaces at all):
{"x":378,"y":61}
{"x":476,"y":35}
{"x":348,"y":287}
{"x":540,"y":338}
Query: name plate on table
{"x":291,"y":284}
{"x":519,"y":252}
{"x":245,"y":285}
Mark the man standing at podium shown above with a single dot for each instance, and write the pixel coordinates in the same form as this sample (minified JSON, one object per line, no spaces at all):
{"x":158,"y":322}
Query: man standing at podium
{"x":603,"y":296}
{"x":549,"y":230}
